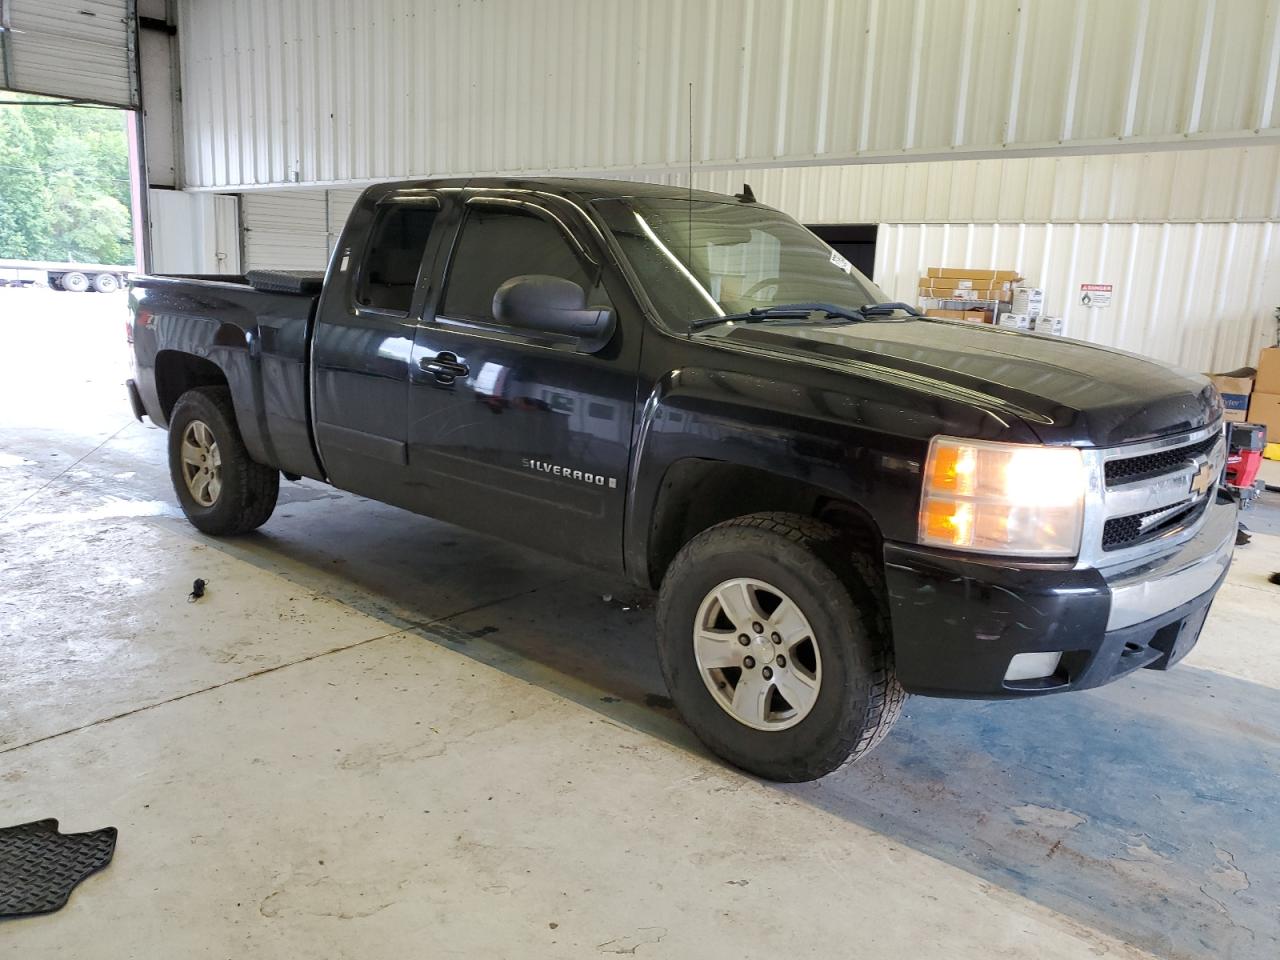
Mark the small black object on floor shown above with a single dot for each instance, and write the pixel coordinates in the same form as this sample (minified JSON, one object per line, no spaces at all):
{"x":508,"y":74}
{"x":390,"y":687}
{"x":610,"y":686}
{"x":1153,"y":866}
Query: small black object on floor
{"x":197,"y":590}
{"x":39,"y":867}
{"x":1275,"y":578}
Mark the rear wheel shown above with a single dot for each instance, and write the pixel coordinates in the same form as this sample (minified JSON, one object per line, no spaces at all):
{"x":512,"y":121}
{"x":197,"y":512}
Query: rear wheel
{"x":221,"y":490}
{"x":775,"y":645}
{"x":106,"y":283}
{"x":75,"y":282}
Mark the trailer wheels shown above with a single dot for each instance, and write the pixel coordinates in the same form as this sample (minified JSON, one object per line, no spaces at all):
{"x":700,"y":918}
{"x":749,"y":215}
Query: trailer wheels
{"x":106,"y":283}
{"x":774,"y":640}
{"x":75,"y":281}
{"x":221,"y":490}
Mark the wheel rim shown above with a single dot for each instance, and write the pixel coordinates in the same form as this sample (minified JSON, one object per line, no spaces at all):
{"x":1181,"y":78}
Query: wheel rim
{"x":757,"y":654}
{"x":201,"y":463}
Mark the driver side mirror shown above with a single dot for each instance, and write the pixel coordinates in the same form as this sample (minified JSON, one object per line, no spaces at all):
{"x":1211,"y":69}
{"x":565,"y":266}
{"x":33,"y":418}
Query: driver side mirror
{"x":553,"y":305}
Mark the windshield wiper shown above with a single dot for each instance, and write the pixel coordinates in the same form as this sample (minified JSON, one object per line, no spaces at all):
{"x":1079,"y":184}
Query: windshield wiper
{"x":786,"y":311}
{"x":884,"y":309}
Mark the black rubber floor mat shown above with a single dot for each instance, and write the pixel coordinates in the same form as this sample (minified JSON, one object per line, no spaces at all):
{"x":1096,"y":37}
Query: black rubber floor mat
{"x":39,"y":867}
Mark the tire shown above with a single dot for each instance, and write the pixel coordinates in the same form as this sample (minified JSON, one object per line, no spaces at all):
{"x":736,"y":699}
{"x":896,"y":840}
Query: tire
{"x":75,"y":282}
{"x":106,"y":283}
{"x":244,"y":494}
{"x":848,"y":659}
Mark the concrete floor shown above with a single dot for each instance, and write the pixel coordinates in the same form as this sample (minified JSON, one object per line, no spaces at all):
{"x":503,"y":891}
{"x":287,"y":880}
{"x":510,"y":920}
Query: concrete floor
{"x":380,"y":736}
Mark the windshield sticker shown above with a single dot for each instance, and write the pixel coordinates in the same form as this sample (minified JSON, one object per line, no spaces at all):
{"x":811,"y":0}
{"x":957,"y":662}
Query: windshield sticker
{"x":841,"y":262}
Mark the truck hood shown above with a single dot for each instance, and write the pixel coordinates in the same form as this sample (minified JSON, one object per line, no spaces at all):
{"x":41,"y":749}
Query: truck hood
{"x":1066,"y":391}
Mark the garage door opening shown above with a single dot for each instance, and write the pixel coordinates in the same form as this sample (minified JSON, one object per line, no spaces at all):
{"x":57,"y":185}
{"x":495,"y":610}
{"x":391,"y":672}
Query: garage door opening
{"x":856,"y":242}
{"x":69,"y":194}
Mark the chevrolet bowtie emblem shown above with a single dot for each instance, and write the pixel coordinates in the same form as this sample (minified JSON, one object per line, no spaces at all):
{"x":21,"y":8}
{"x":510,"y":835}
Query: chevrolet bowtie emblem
{"x":1202,"y":479}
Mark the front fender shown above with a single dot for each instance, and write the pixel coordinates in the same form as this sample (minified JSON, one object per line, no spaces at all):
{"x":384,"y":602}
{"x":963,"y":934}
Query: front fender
{"x":835,"y":442}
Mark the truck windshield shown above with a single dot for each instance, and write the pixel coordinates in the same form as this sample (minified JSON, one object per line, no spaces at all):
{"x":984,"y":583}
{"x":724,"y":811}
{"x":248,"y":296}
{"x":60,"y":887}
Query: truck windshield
{"x":705,"y":258}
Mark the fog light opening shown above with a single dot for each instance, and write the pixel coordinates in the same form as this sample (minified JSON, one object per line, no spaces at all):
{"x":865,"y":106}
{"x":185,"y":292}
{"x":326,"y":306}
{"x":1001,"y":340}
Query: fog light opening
{"x":1033,"y":666}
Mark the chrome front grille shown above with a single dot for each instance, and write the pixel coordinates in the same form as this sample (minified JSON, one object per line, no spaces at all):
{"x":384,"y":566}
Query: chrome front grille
{"x":1142,"y":466}
{"x":1148,"y":496}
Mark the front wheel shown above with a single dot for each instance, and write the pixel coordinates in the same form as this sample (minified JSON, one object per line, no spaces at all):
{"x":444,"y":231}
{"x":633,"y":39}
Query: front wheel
{"x":774,"y":642}
{"x":220,"y":489}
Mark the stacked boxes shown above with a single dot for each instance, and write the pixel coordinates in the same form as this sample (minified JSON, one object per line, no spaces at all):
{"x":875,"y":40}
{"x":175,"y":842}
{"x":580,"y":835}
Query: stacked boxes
{"x":1264,"y":404}
{"x":966,"y":293}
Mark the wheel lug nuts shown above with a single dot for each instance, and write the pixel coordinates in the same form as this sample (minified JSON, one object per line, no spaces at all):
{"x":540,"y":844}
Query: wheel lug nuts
{"x":758,"y":627}
{"x":749,"y":662}
{"x":744,"y":639}
{"x":782,"y":661}
{"x":768,"y":673}
{"x":776,"y":638}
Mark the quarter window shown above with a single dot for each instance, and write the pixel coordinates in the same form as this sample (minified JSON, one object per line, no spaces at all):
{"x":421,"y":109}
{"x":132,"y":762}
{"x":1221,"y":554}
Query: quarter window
{"x":391,"y":263}
{"x":497,"y":244}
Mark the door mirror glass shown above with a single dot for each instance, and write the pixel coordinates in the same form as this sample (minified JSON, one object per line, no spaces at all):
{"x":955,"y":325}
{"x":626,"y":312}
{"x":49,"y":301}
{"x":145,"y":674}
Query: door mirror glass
{"x":553,"y":305}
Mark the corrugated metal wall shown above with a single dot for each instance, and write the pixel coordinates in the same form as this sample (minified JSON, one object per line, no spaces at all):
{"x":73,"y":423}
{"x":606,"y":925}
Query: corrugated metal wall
{"x":324,"y":91}
{"x":1225,"y":184}
{"x":80,"y":49}
{"x":1200,"y":295}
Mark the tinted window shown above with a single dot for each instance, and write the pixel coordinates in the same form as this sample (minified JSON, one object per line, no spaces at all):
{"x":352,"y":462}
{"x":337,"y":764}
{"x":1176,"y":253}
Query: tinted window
{"x":391,"y":263}
{"x":498,"y":244}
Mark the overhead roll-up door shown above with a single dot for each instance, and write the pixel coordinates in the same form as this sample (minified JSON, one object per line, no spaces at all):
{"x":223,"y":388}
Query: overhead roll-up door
{"x":78,"y":49}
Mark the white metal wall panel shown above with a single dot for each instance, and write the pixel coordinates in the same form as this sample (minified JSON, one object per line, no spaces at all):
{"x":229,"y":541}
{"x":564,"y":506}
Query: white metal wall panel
{"x":80,"y":49}
{"x":1201,"y":295}
{"x":1223,"y":184}
{"x":285,"y":230}
{"x":325,"y":91}
{"x":194,"y":232}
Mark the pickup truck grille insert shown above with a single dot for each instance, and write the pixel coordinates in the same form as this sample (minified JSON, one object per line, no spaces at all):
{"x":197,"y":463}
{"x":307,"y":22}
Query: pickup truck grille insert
{"x":1126,"y":531}
{"x":1154,"y":464}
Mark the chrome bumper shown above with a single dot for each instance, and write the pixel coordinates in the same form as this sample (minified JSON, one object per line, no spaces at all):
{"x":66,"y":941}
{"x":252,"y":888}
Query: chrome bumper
{"x":1165,"y":583}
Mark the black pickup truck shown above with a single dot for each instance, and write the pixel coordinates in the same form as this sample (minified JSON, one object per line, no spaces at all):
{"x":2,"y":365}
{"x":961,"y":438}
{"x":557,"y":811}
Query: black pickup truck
{"x":839,"y":501}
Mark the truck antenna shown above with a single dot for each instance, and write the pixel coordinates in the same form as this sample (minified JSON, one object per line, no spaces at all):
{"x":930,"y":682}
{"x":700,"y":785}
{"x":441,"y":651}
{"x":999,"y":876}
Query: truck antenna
{"x":690,"y":173}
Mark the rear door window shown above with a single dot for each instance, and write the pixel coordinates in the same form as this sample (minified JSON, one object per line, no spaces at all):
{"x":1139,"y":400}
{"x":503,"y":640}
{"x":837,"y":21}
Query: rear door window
{"x":499,"y":243}
{"x":393,"y":258}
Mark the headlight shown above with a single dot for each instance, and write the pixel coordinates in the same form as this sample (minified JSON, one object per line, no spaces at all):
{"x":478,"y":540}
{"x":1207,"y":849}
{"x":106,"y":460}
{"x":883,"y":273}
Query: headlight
{"x":1009,"y":498}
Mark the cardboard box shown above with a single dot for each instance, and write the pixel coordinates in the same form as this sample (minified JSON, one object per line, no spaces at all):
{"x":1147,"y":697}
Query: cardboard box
{"x":1029,"y":300}
{"x":1054,"y":326}
{"x":1268,"y":378}
{"x":943,"y":283}
{"x":966,"y":293}
{"x":1264,"y":408}
{"x":1016,"y":321}
{"x":969,"y":316}
{"x":972,"y":273}
{"x":1235,"y":396}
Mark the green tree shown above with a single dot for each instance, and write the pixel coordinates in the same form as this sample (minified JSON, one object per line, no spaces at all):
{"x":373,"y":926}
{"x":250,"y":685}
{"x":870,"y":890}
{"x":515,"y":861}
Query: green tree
{"x":24,"y":229}
{"x":64,"y":184}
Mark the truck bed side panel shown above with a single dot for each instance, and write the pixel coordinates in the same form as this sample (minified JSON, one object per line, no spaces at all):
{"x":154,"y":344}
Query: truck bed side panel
{"x":258,"y":340}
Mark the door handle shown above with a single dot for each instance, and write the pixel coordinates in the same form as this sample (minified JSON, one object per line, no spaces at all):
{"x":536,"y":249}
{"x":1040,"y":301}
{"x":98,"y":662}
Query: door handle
{"x":444,"y":366}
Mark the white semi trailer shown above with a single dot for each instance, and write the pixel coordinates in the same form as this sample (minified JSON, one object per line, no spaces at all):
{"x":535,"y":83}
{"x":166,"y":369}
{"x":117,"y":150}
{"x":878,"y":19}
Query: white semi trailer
{"x":72,"y":277}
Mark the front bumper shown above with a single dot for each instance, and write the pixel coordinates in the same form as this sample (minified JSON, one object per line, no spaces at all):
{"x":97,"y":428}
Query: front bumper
{"x":958,"y":621}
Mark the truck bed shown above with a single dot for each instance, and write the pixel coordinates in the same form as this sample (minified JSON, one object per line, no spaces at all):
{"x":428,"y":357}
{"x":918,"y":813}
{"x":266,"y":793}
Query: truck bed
{"x":255,"y":328}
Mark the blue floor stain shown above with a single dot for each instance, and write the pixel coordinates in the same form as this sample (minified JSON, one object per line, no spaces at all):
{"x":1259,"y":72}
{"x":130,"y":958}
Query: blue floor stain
{"x":1149,"y":809}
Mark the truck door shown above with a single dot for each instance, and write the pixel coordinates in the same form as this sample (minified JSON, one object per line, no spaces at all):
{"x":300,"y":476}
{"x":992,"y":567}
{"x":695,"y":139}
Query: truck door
{"x":509,"y":432}
{"x":363,"y":339}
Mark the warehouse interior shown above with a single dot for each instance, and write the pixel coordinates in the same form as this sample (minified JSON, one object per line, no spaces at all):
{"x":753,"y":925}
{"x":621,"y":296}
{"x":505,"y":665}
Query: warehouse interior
{"x":369,"y":733}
